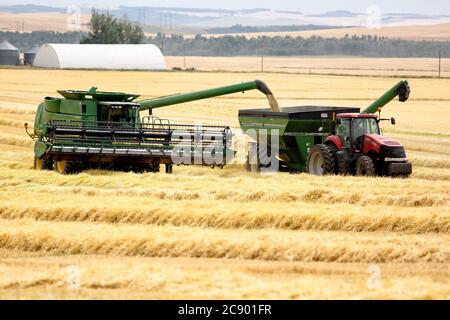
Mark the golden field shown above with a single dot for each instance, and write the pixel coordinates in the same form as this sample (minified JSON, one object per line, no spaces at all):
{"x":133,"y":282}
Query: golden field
{"x":211,"y":233}
{"x":338,"y":65}
{"x":28,"y":22}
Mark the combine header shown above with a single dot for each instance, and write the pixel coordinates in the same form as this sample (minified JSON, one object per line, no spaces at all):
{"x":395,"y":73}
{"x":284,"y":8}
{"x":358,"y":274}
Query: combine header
{"x":94,"y":129}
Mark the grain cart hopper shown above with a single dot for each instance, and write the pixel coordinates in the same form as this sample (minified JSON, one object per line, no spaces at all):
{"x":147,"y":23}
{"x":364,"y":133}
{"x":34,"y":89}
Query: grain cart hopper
{"x":94,"y":129}
{"x":326,"y":140}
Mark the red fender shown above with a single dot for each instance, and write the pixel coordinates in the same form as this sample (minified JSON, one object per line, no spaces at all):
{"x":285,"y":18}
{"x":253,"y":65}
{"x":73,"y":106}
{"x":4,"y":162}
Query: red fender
{"x":336,"y":140}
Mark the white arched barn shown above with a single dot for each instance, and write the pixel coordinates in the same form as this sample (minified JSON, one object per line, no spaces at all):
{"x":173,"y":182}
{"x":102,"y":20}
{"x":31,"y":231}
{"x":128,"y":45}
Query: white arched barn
{"x":100,"y":56}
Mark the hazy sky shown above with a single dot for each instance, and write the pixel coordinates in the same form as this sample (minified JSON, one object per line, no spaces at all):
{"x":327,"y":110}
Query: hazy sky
{"x":387,"y":6}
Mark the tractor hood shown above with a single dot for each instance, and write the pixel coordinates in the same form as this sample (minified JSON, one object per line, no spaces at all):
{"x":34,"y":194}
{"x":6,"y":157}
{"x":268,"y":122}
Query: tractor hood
{"x":378,"y":140}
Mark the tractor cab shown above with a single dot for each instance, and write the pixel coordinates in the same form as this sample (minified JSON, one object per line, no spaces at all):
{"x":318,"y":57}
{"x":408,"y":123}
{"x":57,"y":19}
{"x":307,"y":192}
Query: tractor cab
{"x":352,"y":127}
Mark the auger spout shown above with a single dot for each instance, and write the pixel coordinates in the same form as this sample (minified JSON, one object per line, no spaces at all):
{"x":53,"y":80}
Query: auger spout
{"x":401,"y":90}
{"x":210,"y":93}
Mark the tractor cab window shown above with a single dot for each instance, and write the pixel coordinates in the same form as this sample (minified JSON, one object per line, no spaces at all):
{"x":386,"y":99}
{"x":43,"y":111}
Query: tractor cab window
{"x":362,"y":126}
{"x":343,"y":131}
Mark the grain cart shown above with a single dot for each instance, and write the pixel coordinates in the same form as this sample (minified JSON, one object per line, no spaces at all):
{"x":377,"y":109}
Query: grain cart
{"x":94,"y":129}
{"x":326,"y":140}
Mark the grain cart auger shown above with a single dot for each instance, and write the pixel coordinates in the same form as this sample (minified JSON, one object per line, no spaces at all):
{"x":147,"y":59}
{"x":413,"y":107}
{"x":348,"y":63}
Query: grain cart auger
{"x":94,"y":129}
{"x":327,"y":140}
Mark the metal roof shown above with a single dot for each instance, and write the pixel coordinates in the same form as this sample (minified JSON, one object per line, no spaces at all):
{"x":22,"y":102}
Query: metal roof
{"x":5,"y":45}
{"x":33,"y":50}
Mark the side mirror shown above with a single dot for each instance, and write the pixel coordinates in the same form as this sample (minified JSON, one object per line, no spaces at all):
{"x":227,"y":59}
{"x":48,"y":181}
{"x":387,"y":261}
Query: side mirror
{"x":393,"y":121}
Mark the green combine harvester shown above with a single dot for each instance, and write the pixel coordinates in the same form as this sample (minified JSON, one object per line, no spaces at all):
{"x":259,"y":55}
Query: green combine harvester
{"x":94,"y":129}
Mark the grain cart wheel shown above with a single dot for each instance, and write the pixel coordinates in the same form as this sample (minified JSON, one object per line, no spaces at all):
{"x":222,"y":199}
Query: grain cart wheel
{"x":365,"y":166}
{"x":66,"y":167}
{"x":256,"y":155}
{"x":252,"y":163}
{"x":321,"y":160}
{"x":43,"y":164}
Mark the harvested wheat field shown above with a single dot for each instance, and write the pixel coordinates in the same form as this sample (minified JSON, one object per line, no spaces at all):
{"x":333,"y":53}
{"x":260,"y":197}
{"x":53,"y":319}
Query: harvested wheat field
{"x":29,"y":22}
{"x":314,"y":65}
{"x":212,"y":233}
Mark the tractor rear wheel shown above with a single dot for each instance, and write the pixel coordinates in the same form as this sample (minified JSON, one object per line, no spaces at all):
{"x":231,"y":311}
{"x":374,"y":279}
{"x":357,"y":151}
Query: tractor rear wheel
{"x":321,"y":160}
{"x":365,"y":166}
{"x":67,"y":167}
{"x":43,"y":164}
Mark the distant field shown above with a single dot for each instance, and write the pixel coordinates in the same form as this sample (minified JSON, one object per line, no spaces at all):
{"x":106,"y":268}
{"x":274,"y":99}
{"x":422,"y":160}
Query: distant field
{"x":211,"y":233}
{"x":318,"y":65}
{"x":58,"y":22}
{"x":438,"y":32}
{"x":38,"y":22}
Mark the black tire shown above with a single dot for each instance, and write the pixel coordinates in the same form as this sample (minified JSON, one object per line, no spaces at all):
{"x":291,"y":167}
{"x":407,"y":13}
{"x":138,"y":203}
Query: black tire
{"x":43,"y":164}
{"x":67,"y":167}
{"x":333,"y":150}
{"x":365,"y":166}
{"x":252,"y":164}
{"x":255,"y":154}
{"x":321,"y":160}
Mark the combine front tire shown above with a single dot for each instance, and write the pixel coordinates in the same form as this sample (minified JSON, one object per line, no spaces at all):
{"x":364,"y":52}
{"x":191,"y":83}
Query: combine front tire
{"x":43,"y":164}
{"x":321,"y":160}
{"x":67,"y":167}
{"x":365,"y":166}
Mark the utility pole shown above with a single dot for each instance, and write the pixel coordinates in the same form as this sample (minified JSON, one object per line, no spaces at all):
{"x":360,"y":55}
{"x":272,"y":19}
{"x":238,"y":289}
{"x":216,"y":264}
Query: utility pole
{"x":262,"y":64}
{"x":439,"y":63}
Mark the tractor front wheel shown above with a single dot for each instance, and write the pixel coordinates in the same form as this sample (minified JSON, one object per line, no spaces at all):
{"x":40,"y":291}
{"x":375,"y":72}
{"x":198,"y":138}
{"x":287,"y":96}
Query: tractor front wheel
{"x":43,"y":164}
{"x":321,"y":160}
{"x":67,"y":167}
{"x":365,"y":166}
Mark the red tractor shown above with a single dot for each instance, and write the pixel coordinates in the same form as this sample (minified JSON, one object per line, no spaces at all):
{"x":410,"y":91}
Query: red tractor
{"x":357,"y":146}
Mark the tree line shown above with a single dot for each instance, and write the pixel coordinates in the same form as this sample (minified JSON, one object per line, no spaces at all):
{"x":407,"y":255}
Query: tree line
{"x":365,"y":45}
{"x":237,"y":28}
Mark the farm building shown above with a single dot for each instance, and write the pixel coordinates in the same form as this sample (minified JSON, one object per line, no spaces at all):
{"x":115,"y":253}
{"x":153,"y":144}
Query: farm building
{"x":9,"y":55}
{"x":29,"y":55}
{"x":100,"y":56}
